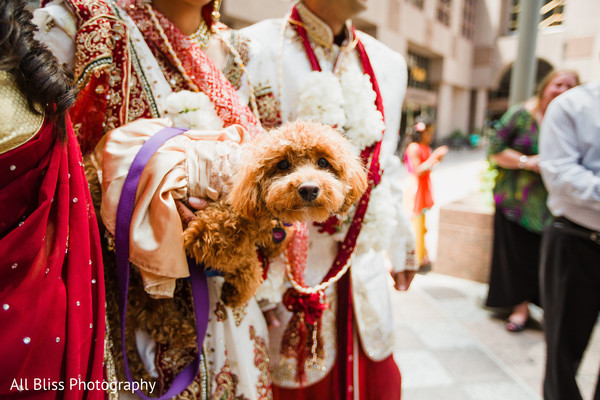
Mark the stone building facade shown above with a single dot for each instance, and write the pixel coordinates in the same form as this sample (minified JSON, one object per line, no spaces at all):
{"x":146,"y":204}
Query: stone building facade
{"x":460,"y":52}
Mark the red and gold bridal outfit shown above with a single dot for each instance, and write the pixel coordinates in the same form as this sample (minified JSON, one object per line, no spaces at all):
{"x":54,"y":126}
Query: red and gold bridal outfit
{"x":355,"y":333}
{"x":128,"y":59}
{"x":51,"y":282}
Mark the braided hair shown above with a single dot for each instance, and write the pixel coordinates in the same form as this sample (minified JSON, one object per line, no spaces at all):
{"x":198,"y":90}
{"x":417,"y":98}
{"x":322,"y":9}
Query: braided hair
{"x":37,"y":72}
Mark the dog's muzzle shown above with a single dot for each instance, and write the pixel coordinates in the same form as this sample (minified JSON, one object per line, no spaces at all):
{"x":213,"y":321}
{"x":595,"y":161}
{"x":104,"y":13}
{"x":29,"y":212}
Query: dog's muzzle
{"x":308,"y":191}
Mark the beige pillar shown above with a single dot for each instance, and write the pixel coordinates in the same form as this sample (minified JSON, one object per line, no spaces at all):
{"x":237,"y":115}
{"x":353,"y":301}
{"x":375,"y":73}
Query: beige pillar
{"x":444,"y":111}
{"x":481,"y":102}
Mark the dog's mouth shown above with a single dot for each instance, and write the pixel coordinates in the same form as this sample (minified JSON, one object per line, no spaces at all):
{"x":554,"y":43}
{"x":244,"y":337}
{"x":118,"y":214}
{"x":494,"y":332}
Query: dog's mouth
{"x":316,"y":209}
{"x":313,"y":199}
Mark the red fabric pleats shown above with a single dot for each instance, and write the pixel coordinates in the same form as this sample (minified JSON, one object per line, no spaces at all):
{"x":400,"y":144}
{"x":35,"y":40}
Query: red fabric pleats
{"x":51,"y":280}
{"x":378,"y":380}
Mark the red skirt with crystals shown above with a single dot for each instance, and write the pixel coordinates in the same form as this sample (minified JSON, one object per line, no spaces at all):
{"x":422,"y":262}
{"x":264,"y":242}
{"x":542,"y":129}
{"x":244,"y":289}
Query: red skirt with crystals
{"x":51,"y":280}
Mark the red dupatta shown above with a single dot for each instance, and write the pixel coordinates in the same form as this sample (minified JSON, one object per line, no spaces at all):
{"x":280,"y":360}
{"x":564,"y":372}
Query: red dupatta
{"x":51,"y":280}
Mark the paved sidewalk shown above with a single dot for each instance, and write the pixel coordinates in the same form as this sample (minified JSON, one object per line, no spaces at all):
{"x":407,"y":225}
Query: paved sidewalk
{"x":450,"y":348}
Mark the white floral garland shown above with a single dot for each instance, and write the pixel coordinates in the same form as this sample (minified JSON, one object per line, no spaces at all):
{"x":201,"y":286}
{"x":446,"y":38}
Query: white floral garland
{"x":192,"y":110}
{"x":379,"y":222}
{"x":347,"y":102}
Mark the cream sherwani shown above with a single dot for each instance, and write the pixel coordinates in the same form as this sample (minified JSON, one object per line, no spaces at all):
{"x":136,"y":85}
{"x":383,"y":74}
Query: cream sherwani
{"x":278,"y":68}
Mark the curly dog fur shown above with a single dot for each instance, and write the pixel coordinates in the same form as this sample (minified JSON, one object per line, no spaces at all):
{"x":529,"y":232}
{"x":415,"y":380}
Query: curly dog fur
{"x":301,"y":172}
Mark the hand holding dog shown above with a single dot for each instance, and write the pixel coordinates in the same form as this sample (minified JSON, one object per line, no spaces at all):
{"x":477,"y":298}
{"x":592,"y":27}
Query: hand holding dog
{"x":187,"y":213}
{"x":403,"y":279}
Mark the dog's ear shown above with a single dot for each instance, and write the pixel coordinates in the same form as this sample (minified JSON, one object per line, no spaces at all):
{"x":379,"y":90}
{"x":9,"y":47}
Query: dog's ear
{"x":245,"y":197}
{"x":355,"y":178}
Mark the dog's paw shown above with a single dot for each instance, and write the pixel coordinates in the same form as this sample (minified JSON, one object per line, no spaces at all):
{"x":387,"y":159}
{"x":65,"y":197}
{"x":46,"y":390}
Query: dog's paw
{"x":231,"y":296}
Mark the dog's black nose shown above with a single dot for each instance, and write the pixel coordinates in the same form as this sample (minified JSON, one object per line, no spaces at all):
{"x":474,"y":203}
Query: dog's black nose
{"x":308,"y":191}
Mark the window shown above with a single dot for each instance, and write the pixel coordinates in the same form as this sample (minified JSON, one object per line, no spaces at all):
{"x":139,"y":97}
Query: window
{"x":514,"y":13}
{"x":443,"y":11}
{"x":418,"y":71}
{"x":551,"y":11}
{"x":468,"y":22}
{"x":416,"y":3}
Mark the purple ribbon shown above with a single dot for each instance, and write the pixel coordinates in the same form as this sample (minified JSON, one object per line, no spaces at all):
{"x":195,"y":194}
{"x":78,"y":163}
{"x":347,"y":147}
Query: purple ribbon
{"x":197,"y":276}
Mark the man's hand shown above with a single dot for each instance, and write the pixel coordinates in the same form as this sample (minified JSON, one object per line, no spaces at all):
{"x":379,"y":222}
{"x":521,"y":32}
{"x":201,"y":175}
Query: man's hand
{"x":271,"y":318}
{"x":403,"y":279}
{"x":187,"y":214}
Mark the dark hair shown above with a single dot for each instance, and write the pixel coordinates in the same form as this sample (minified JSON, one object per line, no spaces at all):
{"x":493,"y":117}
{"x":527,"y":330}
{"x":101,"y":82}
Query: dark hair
{"x":418,"y":129}
{"x":37,"y":72}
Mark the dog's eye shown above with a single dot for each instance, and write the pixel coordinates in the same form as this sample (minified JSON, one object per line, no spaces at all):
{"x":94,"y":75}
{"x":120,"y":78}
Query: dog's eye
{"x":283,"y":165}
{"x":323,"y":163}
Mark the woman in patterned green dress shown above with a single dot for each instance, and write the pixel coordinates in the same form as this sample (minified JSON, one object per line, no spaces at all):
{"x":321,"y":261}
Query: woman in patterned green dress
{"x":520,"y":199}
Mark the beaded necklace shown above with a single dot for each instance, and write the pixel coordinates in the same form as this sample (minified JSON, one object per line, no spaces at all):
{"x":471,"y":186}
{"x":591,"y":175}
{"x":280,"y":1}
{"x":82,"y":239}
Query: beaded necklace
{"x":202,"y":35}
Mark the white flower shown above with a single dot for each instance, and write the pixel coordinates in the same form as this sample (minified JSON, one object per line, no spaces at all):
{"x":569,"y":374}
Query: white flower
{"x":347,"y":102}
{"x":321,"y":100}
{"x":192,"y":110}
{"x":379,"y":222}
{"x":273,"y":288}
{"x":364,"y":123}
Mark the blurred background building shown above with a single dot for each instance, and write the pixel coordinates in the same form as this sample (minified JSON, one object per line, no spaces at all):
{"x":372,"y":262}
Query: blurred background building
{"x":460,"y":52}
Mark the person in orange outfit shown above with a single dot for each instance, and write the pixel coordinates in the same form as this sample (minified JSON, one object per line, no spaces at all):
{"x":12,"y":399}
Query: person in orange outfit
{"x":419,"y":161}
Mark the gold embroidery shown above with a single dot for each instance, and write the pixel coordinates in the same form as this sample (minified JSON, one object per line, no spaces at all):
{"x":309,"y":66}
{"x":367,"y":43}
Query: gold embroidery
{"x":220,"y":312}
{"x":375,"y":340}
{"x":109,"y":361}
{"x":233,"y":70}
{"x":268,"y":107}
{"x":225,"y":384}
{"x":239,"y":313}
{"x":18,"y":123}
{"x":316,"y":28}
{"x":261,"y":361}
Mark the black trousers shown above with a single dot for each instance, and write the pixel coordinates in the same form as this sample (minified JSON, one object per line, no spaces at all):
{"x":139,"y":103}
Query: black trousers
{"x":514,"y":276}
{"x":570,"y":288}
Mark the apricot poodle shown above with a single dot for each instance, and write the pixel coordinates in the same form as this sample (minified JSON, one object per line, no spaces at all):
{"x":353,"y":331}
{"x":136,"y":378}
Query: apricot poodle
{"x":302,"y":171}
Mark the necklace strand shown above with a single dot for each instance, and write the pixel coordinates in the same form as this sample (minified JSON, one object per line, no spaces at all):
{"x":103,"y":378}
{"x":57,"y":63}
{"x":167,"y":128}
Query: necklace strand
{"x":202,"y":35}
{"x":320,"y":288}
{"x":164,"y":37}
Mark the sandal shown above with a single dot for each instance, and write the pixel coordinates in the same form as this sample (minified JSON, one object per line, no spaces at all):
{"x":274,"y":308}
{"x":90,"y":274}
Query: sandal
{"x":514,"y":327}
